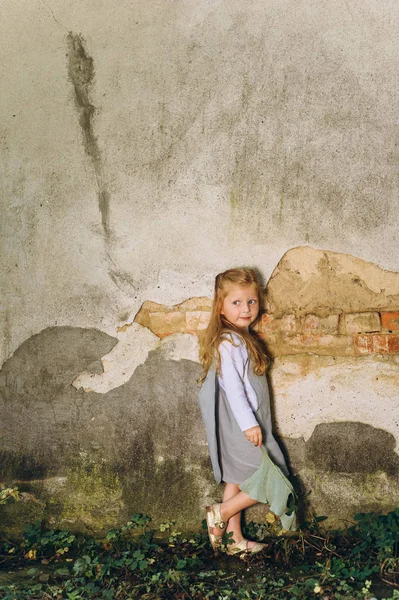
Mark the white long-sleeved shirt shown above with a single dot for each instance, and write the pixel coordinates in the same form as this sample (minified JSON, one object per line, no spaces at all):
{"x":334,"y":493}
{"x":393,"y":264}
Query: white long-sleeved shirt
{"x":233,"y":379}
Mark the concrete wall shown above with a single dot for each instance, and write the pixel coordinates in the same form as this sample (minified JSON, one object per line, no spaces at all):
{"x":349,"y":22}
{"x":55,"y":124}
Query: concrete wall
{"x":145,"y":147}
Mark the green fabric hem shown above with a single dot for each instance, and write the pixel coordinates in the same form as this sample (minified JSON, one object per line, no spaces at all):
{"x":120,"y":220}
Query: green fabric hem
{"x":270,"y":486}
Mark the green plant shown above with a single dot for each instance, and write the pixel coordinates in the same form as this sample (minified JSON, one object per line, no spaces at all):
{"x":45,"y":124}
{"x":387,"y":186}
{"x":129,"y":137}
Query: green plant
{"x":132,"y":563}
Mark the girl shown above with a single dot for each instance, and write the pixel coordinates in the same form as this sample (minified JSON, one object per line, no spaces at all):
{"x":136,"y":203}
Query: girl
{"x":235,"y":407}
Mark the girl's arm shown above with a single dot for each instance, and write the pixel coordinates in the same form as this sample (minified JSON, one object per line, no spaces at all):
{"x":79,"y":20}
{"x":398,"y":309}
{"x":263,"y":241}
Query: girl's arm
{"x":232,"y":370}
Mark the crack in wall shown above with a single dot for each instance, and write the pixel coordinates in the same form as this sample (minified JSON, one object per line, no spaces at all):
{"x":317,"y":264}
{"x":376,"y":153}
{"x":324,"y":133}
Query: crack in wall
{"x":81,"y":72}
{"x":53,"y":15}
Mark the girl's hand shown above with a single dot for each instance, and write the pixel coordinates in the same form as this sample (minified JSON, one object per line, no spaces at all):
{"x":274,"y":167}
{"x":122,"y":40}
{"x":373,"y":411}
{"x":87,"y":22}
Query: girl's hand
{"x":254,"y":435}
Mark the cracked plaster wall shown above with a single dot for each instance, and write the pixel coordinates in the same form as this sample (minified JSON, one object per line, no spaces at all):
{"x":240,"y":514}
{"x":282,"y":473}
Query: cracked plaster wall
{"x":147,"y":147}
{"x":144,"y":149}
{"x":89,"y":440}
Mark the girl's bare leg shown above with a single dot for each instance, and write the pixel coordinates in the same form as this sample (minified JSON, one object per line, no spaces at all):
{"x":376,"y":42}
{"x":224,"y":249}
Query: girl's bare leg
{"x":234,"y":501}
{"x":235,"y":504}
{"x":234,"y":524}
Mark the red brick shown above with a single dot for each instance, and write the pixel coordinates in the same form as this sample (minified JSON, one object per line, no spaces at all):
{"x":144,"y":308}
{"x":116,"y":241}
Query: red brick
{"x":393,"y":343}
{"x":268,"y":323}
{"x":310,"y":340}
{"x":314,"y":324}
{"x":288,"y":324}
{"x":376,"y":343}
{"x":390,"y":321}
{"x":380,"y":343}
{"x":363,"y":344}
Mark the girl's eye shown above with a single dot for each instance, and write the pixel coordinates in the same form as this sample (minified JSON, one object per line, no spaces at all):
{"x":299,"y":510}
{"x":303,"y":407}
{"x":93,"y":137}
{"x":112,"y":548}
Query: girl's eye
{"x":253,"y":301}
{"x":236,"y":302}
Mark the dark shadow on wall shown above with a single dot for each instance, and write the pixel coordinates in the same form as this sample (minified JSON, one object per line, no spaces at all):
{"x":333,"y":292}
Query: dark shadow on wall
{"x":346,"y":447}
{"x":351,"y":447}
{"x":40,"y":410}
{"x":139,"y":447}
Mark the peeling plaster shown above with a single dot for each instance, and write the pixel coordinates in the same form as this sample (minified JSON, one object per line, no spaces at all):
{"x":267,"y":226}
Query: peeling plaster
{"x":329,"y":389}
{"x":308,"y":280}
{"x":180,"y":346}
{"x":132,"y":349}
{"x":135,"y":342}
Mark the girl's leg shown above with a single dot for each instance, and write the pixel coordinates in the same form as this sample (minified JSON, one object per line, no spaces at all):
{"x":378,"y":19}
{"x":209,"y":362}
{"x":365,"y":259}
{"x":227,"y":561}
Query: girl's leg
{"x":234,"y":524}
{"x":232,"y":498}
{"x":235,"y":504}
{"x":234,"y":501}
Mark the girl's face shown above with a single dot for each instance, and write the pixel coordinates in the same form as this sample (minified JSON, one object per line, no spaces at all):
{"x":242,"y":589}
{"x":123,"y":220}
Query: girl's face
{"x":241,"y":305}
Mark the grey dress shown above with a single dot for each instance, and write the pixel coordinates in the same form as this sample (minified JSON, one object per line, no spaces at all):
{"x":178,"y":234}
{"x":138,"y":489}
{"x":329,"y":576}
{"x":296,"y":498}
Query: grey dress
{"x":260,"y":472}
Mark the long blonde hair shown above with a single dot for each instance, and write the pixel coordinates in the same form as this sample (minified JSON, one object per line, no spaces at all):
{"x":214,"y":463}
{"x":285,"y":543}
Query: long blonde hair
{"x":218,"y":325}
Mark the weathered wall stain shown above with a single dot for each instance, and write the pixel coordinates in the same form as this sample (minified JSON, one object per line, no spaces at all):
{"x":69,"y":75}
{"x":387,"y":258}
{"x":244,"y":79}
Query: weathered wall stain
{"x":18,"y":465}
{"x":95,"y":458}
{"x":134,"y":344}
{"x":276,"y":169}
{"x":91,"y":459}
{"x":350,"y":447}
{"x":42,"y":414}
{"x":81,"y":73}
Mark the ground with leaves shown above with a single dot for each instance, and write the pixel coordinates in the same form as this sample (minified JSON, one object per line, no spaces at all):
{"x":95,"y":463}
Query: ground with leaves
{"x":360,"y":563}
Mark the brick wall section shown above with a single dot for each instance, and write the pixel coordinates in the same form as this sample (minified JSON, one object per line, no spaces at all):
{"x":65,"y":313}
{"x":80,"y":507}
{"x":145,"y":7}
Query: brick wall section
{"x":343,"y":334}
{"x":367,"y":322}
{"x":191,"y":316}
{"x":390,"y":321}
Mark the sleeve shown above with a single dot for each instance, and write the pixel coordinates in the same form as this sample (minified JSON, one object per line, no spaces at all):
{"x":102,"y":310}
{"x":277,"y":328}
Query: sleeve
{"x":232,"y":370}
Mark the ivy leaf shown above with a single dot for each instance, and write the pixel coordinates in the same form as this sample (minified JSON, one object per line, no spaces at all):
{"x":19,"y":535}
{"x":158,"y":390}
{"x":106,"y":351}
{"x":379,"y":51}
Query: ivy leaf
{"x":181,"y":564}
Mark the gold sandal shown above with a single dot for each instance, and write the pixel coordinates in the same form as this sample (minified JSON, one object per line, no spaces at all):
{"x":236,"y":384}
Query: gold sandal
{"x":214,"y":519}
{"x":242,"y":548}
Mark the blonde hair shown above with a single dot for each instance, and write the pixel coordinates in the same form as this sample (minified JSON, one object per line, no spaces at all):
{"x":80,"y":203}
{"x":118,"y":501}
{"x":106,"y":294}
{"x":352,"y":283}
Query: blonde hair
{"x":218,"y":325}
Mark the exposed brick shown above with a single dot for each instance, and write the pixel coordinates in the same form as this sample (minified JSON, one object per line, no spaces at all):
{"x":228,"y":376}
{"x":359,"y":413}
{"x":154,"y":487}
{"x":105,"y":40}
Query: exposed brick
{"x":376,"y":343}
{"x":363,"y":344}
{"x":269,"y":323}
{"x":162,"y":323}
{"x":365,"y":322}
{"x":197,"y":320}
{"x":323,"y":345}
{"x":380,"y":343}
{"x":393,"y":343}
{"x":390,"y":321}
{"x":199,"y":303}
{"x":288,"y":324}
{"x":314,"y":324}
